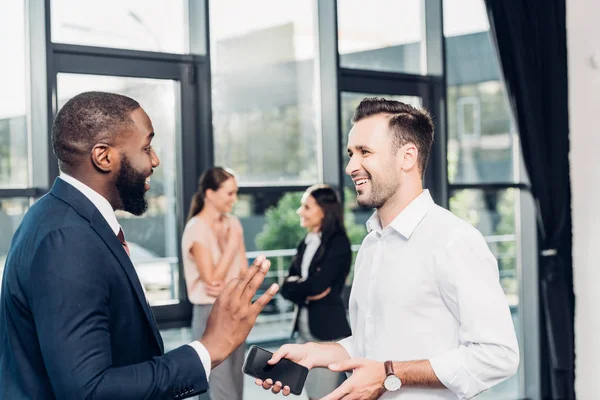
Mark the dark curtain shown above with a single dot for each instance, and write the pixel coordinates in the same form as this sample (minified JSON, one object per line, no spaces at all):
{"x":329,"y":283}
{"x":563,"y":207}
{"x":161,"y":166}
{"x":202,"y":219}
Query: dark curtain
{"x":531,"y":41}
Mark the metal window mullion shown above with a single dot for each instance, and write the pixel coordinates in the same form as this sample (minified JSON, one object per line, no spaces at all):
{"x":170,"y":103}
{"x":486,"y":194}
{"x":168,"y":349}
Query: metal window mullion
{"x":326,"y":80}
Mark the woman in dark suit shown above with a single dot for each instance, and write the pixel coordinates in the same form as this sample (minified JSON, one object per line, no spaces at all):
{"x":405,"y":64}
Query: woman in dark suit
{"x":317,"y":278}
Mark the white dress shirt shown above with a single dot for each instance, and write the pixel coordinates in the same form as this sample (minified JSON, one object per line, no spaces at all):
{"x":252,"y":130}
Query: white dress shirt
{"x":109,"y":215}
{"x":312,"y":241}
{"x":427,"y":287}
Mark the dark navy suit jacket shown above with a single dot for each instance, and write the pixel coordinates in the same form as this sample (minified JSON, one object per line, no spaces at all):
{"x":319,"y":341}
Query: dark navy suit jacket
{"x":74,"y":321}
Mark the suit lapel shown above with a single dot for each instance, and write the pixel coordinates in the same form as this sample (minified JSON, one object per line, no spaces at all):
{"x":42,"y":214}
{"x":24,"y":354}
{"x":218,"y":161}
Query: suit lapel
{"x":102,"y":228}
{"x":84,"y":207}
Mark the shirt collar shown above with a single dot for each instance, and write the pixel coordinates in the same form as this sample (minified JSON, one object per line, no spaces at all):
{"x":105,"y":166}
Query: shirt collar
{"x":407,"y":221}
{"x":97,"y":199}
{"x":313,"y":237}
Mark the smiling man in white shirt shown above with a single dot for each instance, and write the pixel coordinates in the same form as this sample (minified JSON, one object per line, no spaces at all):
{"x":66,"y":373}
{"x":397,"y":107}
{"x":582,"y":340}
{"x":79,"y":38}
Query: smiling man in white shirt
{"x":429,"y":318}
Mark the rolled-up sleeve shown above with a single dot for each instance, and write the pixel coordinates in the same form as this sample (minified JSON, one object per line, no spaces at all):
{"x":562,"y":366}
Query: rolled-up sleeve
{"x":468,"y":279}
{"x":348,"y":345}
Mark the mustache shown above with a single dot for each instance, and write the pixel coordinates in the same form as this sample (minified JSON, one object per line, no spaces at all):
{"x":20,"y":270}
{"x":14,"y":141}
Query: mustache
{"x":354,"y":176}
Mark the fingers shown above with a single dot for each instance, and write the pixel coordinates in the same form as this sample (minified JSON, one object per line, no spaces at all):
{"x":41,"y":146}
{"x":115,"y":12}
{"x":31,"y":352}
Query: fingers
{"x":346,"y":365}
{"x":282,"y":352}
{"x":255,"y":282}
{"x":248,"y":275}
{"x":263,"y":300}
{"x":277,"y":387}
{"x":267,"y":384}
{"x":231,"y":286}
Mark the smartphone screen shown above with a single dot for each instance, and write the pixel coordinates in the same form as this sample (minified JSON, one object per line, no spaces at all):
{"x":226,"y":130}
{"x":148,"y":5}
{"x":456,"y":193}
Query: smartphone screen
{"x":285,"y":371}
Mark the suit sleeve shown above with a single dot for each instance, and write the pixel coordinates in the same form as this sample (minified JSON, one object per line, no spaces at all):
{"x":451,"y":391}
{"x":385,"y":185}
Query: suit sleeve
{"x":295,"y":273}
{"x":69,"y":294}
{"x":334,"y":265}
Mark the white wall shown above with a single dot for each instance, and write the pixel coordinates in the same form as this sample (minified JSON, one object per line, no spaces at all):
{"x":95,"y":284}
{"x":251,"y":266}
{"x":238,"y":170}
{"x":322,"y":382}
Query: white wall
{"x":583,"y":41}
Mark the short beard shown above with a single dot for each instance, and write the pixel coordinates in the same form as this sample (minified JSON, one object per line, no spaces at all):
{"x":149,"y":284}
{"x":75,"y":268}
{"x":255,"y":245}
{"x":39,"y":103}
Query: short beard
{"x":131,"y":188}
{"x":379,"y":195}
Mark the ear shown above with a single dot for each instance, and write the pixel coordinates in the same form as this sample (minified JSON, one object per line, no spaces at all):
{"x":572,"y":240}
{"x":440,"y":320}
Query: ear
{"x":209,"y":194}
{"x":409,"y":157}
{"x":105,"y":157}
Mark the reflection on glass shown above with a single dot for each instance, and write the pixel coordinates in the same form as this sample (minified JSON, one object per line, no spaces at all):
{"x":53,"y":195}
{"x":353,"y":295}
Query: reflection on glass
{"x":356,"y":216}
{"x":482,"y":139}
{"x":152,"y":25}
{"x":380,"y":35}
{"x":264,"y":115}
{"x":494,"y":213}
{"x":14,"y":140}
{"x":12,"y":211}
{"x":153,"y":238}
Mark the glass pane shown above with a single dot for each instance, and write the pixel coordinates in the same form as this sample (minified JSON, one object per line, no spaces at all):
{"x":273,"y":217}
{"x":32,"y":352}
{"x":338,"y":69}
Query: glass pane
{"x":264,"y":114}
{"x":482,"y":139}
{"x":380,"y":35}
{"x":271,"y":227}
{"x":356,"y":216}
{"x":152,"y":25}
{"x":11,"y":214}
{"x":153,"y":238}
{"x":494,"y":213}
{"x":14,"y":138}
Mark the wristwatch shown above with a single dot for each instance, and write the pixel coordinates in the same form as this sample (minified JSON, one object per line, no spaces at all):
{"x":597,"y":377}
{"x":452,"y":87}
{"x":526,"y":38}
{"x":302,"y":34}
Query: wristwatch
{"x":391,"y":382}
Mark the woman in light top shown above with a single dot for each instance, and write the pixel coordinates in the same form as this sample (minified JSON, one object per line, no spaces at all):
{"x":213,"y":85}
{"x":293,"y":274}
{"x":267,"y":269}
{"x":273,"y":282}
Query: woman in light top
{"x":213,"y":254}
{"x":317,"y":278}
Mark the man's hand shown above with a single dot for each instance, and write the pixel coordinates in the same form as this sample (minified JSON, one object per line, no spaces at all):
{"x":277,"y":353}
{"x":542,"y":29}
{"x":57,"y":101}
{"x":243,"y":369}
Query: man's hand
{"x":234,"y":314}
{"x":299,"y":353}
{"x":310,"y":355}
{"x":366,"y":382}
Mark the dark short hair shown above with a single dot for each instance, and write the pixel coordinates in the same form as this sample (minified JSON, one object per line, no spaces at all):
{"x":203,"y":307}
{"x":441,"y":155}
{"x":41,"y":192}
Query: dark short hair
{"x":407,"y":123}
{"x":87,"y":119}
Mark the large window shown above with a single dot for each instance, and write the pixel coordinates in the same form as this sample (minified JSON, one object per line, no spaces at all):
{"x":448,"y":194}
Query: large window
{"x":485,"y":185}
{"x":272,"y":98}
{"x":14,"y":138}
{"x":15,"y":159}
{"x":263,"y":79}
{"x":11,"y":214}
{"x":380,"y":35}
{"x":152,"y":25}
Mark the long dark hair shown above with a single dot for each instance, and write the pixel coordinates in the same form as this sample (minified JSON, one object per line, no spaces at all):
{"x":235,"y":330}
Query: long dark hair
{"x":333,"y":213}
{"x":212,"y":178}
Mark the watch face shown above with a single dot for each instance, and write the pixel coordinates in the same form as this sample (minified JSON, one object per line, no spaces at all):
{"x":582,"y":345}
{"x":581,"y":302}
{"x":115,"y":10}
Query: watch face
{"x":392,"y":383}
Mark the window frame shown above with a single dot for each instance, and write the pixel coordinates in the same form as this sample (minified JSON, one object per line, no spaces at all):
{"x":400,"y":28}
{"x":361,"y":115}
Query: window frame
{"x":196,"y":149}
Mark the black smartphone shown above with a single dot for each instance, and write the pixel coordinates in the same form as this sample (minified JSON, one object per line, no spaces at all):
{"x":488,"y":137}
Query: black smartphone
{"x":285,"y":371}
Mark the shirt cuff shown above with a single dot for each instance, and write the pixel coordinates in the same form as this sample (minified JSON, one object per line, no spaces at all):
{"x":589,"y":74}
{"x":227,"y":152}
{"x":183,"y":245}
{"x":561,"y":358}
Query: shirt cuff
{"x":348,"y":345}
{"x":449,"y":369}
{"x":204,"y":356}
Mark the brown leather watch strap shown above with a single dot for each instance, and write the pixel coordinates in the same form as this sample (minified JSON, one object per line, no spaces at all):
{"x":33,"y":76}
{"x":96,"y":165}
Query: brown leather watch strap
{"x":389,"y":368}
